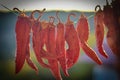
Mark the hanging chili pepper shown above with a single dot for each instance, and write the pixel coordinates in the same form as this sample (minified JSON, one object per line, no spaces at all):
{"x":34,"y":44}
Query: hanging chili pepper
{"x":51,"y":48}
{"x":72,"y":40}
{"x":22,"y":30}
{"x":36,"y":38}
{"x":99,"y":30}
{"x":82,"y":28}
{"x":44,"y":39}
{"x":110,"y":23}
{"x":83,"y":33}
{"x":60,"y":45}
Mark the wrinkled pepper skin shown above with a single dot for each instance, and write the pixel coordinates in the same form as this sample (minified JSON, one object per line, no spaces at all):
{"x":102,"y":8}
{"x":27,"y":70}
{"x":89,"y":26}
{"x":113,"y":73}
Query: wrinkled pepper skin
{"x":113,"y":29}
{"x":99,"y":31}
{"x":22,"y":30}
{"x":44,"y":40}
{"x":82,"y":28}
{"x":72,"y":40}
{"x":90,"y":53}
{"x":37,"y":43}
{"x":51,"y":48}
{"x":83,"y":33}
{"x":36,"y":37}
{"x":60,"y":45}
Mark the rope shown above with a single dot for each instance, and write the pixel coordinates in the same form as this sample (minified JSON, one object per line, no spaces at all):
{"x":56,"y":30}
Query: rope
{"x":88,"y":18}
{"x":8,"y":9}
{"x":17,"y":14}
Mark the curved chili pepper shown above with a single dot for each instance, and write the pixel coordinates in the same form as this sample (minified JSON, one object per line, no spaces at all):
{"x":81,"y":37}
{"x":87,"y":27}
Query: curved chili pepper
{"x":36,"y":38}
{"x":44,"y":39}
{"x":22,"y":39}
{"x":51,"y":48}
{"x":83,"y":32}
{"x":110,"y":23}
{"x":72,"y":40}
{"x":99,"y":30}
{"x":60,"y":45}
{"x":82,"y":28}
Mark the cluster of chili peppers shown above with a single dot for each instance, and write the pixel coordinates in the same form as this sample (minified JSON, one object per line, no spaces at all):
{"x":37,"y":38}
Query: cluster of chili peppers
{"x":54,"y":38}
{"x":107,"y":18}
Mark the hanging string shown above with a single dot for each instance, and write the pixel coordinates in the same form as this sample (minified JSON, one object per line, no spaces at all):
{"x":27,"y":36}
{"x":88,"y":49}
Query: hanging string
{"x":8,"y":9}
{"x":88,"y":18}
{"x":17,"y":14}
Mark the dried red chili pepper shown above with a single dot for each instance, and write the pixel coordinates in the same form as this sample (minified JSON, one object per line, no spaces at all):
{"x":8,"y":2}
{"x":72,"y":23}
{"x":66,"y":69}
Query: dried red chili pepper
{"x":83,"y":33}
{"x":82,"y":28}
{"x":44,"y":39}
{"x":111,"y":24}
{"x":36,"y":38}
{"x":99,"y":30}
{"x":72,"y":40}
{"x":51,"y":48}
{"x":60,"y":45}
{"x":22,"y":30}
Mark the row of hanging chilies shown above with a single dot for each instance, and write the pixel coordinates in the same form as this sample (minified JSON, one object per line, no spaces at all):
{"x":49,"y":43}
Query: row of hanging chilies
{"x":43,"y":33}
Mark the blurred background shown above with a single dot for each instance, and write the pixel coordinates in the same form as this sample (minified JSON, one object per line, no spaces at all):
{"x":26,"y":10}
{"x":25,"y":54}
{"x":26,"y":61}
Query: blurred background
{"x":84,"y":69}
